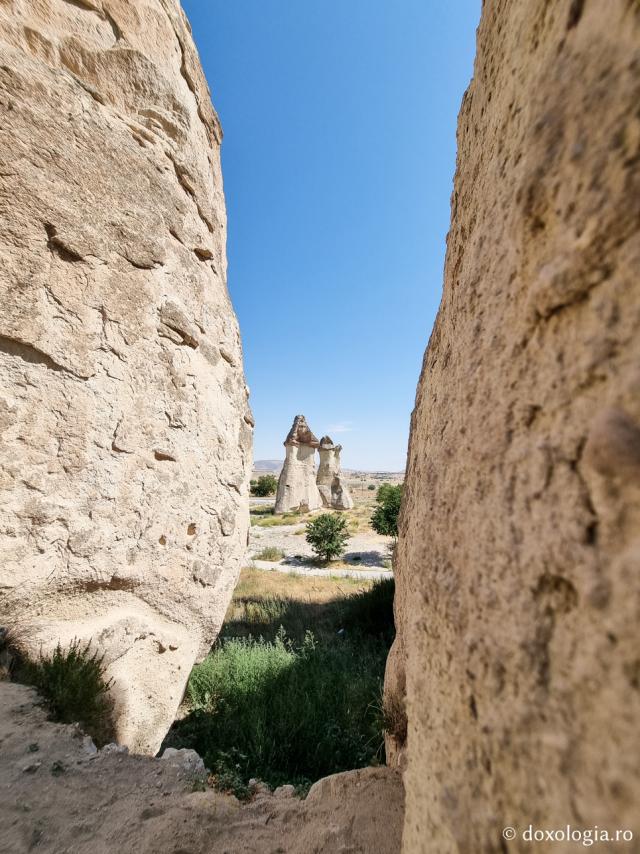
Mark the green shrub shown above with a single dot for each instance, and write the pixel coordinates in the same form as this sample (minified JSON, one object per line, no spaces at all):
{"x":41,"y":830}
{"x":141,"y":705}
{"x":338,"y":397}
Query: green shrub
{"x":327,"y":534}
{"x":371,"y":487}
{"x":73,"y":686}
{"x":271,"y":553}
{"x":385,"y":517}
{"x":265,"y":485}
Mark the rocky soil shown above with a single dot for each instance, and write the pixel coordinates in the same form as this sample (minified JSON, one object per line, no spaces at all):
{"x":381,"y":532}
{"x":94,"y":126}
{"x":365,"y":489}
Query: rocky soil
{"x":59,"y":795}
{"x":366,"y":550}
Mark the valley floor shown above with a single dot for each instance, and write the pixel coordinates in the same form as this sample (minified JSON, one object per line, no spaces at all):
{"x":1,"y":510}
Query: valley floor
{"x":367,"y":554}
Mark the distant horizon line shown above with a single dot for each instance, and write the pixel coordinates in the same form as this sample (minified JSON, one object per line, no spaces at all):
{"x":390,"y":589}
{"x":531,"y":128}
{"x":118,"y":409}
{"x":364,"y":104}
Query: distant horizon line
{"x":280,"y":462}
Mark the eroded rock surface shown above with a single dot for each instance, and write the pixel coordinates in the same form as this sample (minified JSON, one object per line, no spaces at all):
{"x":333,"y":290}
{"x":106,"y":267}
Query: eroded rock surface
{"x":517,"y":576}
{"x":58,"y":795}
{"x":297,"y":487}
{"x":126,"y":434}
{"x":333,"y":490}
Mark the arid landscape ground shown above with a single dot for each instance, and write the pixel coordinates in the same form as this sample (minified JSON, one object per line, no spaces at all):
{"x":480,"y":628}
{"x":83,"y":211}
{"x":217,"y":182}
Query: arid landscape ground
{"x":366,"y":551}
{"x":179,"y":674}
{"x":57,"y":796}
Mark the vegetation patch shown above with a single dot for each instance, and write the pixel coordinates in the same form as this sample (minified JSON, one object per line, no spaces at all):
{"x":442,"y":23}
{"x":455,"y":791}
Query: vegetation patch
{"x":271,"y":553}
{"x":74,"y":688}
{"x":292,"y":690}
{"x":327,"y":535}
{"x":268,"y":519}
{"x":265,"y":485}
{"x":385,"y":516}
{"x":260,"y":510}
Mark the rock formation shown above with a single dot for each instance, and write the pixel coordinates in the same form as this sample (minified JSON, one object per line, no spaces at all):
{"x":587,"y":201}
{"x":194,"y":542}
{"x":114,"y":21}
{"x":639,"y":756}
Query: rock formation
{"x":333,"y":491}
{"x":126,"y":433}
{"x":297,"y":488}
{"x":517,"y":565}
{"x":107,"y":801}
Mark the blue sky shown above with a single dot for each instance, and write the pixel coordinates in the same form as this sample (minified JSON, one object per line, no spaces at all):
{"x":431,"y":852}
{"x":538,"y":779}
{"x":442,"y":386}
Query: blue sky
{"x":339,"y":124}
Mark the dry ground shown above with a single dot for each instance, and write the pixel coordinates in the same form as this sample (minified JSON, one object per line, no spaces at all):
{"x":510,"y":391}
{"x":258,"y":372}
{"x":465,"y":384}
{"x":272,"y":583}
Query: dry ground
{"x":56,"y":797}
{"x":365,"y":549}
{"x":256,"y":584}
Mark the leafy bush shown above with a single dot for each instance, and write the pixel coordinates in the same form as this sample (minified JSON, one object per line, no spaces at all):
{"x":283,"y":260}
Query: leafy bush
{"x":265,"y":485}
{"x":327,"y":534}
{"x":371,"y":487}
{"x":270,"y":553}
{"x":385,"y":517}
{"x":73,"y":686}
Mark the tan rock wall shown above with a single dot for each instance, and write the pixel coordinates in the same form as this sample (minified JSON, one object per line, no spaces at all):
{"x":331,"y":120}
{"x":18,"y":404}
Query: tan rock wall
{"x":518,"y":560}
{"x":126,"y":433}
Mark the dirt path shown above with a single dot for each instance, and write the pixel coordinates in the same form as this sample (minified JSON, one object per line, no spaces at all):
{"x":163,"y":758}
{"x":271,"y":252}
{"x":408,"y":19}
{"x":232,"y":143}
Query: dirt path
{"x":291,"y":565}
{"x":58,"y":796}
{"x":367,"y":550}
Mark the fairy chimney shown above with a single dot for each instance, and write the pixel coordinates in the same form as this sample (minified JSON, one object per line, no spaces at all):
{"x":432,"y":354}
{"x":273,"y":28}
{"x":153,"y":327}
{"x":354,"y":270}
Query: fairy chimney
{"x":333,"y":491}
{"x":297,"y":488}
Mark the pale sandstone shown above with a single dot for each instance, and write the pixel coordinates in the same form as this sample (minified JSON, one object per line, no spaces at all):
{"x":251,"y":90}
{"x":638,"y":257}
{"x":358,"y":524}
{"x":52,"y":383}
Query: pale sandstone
{"x":297,"y":489}
{"x":333,"y":490}
{"x":518,"y":588}
{"x":126,"y":433}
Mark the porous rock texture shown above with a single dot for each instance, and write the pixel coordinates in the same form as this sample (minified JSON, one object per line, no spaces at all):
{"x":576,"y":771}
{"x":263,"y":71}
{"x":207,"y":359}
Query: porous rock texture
{"x":297,"y":488}
{"x":60,"y":794}
{"x":518,"y":591}
{"x":333,"y":491}
{"x":126,"y":433}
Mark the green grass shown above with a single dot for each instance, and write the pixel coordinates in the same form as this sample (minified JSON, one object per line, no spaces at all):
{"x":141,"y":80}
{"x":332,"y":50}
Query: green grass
{"x":262,"y":510}
{"x":371,"y":611}
{"x":271,"y":520}
{"x":292,"y":690}
{"x":73,"y":686}
{"x":256,"y":612}
{"x":271,"y":553}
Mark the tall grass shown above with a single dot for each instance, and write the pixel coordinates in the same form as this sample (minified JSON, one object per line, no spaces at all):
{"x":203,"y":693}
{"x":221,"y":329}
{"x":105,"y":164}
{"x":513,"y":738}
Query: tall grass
{"x":271,"y":553}
{"x":74,"y":688}
{"x":367,"y":612}
{"x":290,"y":707}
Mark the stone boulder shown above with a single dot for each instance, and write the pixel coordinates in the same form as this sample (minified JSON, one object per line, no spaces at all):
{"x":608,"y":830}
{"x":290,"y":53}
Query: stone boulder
{"x":126,"y":433}
{"x":518,"y":591}
{"x":333,"y":491}
{"x":297,"y":488}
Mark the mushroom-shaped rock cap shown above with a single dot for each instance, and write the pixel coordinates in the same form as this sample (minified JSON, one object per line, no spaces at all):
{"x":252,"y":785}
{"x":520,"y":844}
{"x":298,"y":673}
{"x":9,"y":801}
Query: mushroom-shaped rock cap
{"x":300,"y":434}
{"x":326,"y":442}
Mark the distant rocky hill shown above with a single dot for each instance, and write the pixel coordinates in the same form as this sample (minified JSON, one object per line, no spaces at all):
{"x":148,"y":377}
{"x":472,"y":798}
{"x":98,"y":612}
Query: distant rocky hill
{"x":267,"y":465}
{"x":275,"y":466}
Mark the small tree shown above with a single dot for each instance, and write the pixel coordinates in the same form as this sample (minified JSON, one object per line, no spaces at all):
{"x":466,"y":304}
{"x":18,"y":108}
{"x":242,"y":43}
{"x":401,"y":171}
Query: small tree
{"x":327,"y":534}
{"x":385,"y":517}
{"x":265,"y":485}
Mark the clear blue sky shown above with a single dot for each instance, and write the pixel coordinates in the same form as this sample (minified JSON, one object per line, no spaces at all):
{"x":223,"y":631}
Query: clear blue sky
{"x":339,"y":122}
